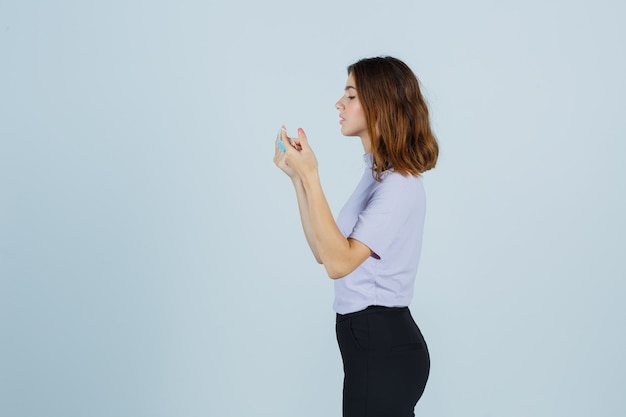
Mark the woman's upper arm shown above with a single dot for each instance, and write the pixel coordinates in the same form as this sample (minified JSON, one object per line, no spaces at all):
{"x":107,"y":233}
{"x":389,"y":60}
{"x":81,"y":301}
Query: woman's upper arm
{"x":356,"y":253}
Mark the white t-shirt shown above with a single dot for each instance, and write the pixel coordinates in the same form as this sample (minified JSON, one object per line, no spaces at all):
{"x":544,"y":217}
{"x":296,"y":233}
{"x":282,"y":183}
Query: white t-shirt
{"x":388,"y":217}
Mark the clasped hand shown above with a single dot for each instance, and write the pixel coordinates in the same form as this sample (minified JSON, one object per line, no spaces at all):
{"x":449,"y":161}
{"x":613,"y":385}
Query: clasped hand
{"x":298,"y":160}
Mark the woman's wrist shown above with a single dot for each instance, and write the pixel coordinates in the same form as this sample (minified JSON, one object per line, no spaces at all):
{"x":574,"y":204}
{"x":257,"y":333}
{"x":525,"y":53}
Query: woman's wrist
{"x":296,"y":180}
{"x":309,"y":179}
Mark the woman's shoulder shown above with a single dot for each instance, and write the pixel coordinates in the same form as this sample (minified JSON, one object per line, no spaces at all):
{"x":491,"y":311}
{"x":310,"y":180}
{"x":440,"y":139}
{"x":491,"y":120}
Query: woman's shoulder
{"x":394,"y":179}
{"x":401,"y":187}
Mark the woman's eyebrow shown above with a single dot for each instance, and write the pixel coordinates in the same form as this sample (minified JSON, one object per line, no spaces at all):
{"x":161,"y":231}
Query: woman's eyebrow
{"x":349,"y":87}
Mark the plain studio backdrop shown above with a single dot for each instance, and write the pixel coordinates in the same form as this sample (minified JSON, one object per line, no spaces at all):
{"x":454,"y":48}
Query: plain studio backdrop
{"x":151,"y":256}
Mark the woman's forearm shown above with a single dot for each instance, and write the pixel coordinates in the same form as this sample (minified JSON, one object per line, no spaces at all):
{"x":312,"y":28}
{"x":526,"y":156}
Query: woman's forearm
{"x":339,"y":255}
{"x":305,"y":217}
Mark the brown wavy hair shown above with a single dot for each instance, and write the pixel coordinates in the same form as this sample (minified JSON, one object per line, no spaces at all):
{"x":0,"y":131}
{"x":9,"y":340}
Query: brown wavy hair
{"x":396,"y":115}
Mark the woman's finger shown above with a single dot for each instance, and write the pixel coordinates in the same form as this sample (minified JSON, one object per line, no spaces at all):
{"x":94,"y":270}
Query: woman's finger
{"x":302,"y":140}
{"x":282,"y":135}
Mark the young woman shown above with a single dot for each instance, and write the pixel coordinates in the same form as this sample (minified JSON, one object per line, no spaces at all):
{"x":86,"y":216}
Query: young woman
{"x":372,"y":251}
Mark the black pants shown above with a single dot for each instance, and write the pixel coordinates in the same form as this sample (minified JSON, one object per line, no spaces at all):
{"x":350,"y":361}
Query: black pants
{"x":385,"y":362}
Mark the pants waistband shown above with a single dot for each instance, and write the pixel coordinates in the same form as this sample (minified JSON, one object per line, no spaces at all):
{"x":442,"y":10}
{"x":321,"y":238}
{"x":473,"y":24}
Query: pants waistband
{"x":369,"y":310}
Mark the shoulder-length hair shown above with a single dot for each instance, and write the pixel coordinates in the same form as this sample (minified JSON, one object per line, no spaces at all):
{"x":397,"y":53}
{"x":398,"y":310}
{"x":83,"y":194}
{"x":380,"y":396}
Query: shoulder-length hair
{"x":396,"y":115}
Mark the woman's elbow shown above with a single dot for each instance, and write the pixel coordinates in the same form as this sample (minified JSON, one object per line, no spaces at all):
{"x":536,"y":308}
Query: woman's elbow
{"x":336,"y":273}
{"x":338,"y":267}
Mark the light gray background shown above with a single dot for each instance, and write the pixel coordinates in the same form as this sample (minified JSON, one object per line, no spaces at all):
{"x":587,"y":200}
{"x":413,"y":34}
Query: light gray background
{"x":151,"y":257}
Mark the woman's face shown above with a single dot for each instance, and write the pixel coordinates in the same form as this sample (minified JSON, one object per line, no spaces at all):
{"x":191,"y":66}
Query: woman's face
{"x":351,"y":115}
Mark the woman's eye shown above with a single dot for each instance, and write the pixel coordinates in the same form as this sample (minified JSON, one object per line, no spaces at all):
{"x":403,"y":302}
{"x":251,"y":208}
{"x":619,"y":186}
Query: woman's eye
{"x":351,"y":97}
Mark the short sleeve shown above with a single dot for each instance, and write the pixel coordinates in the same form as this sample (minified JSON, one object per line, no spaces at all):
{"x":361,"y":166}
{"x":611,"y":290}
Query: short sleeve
{"x":392,"y":212}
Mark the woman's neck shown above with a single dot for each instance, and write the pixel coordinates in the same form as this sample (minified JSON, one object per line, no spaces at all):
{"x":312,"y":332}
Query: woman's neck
{"x":367,"y":144}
